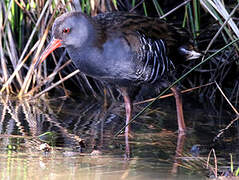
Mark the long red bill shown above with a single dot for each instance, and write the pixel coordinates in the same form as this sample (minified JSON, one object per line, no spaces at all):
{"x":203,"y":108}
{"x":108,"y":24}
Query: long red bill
{"x":55,"y":43}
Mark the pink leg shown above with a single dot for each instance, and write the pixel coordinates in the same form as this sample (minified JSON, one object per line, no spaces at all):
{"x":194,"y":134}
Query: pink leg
{"x":179,"y":107}
{"x":128,"y":109}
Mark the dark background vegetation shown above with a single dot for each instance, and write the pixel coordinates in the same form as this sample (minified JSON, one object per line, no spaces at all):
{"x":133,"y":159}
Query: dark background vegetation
{"x":26,"y":26}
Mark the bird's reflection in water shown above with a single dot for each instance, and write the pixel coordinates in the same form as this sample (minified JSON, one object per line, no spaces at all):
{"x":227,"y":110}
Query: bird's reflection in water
{"x":87,"y":127}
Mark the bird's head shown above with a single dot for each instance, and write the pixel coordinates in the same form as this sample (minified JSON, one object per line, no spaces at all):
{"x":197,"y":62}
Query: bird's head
{"x":69,"y":30}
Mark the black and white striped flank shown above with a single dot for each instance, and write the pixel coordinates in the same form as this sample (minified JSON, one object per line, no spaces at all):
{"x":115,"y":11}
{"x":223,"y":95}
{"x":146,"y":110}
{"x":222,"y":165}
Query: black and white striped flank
{"x":154,"y":59}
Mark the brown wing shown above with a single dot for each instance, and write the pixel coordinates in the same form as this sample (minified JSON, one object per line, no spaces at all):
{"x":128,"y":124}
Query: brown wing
{"x":151,"y":40}
{"x":154,"y":28}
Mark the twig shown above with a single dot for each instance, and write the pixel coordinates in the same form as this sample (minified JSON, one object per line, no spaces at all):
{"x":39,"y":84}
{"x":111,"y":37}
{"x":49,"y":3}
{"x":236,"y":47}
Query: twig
{"x":28,"y":77}
{"x":222,"y":130}
{"x":57,"y":83}
{"x":174,"y":9}
{"x":18,"y":67}
{"x":234,"y":109}
{"x":46,"y":80}
{"x":171,"y":94}
{"x":215,"y":162}
{"x":136,"y":6}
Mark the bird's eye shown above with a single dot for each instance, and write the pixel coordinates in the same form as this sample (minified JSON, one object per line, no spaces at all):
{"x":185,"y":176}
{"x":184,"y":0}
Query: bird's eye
{"x":66,"y":30}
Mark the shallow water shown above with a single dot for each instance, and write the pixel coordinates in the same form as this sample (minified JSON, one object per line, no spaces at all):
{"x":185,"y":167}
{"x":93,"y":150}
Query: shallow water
{"x":83,"y":144}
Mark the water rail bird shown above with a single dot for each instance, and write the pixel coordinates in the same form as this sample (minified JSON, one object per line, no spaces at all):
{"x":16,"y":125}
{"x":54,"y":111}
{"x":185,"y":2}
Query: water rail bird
{"x":123,"y":49}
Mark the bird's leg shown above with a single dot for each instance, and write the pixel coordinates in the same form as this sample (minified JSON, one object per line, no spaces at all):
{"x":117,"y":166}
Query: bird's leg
{"x":179,"y":107}
{"x":128,"y":104}
{"x":128,"y":109}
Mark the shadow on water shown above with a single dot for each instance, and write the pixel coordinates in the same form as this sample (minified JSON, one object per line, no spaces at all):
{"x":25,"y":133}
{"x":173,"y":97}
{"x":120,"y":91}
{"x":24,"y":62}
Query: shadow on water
{"x":82,"y":144}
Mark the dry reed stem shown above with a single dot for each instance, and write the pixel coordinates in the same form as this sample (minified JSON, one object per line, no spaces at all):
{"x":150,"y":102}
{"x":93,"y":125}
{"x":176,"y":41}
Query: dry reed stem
{"x":57,"y":83}
{"x":220,"y":8}
{"x":60,"y":75}
{"x":219,"y":31}
{"x":28,"y":77}
{"x":33,"y":31}
{"x":59,"y":62}
{"x":30,"y":72}
{"x":19,"y":4}
{"x":46,"y":80}
{"x":3,"y":60}
{"x":4,"y":66}
{"x":171,"y":94}
{"x":22,"y":6}
{"x":136,"y":6}
{"x":12,"y":52}
{"x":174,"y":9}
{"x":234,"y":109}
{"x":18,"y":67}
{"x":214,"y":170}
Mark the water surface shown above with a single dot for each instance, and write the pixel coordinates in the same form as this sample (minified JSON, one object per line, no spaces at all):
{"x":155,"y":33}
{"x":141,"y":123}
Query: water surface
{"x":82,"y":143}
